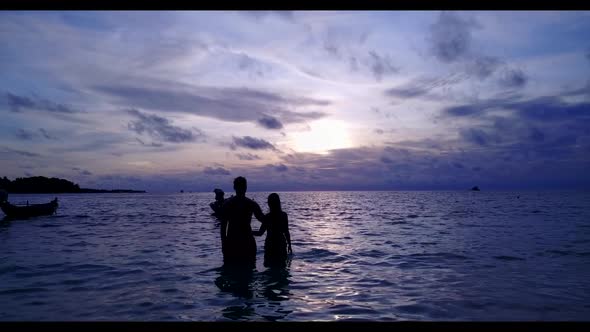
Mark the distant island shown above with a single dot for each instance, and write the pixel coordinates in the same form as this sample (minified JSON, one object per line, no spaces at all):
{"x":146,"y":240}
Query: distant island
{"x":43,"y":185}
{"x":476,"y":188}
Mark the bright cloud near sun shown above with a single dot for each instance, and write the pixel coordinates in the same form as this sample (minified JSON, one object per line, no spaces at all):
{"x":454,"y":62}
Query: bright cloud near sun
{"x":323,"y":136}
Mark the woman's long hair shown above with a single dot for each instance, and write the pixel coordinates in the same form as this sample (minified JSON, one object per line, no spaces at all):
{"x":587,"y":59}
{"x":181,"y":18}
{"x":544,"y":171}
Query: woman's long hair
{"x":274,"y":203}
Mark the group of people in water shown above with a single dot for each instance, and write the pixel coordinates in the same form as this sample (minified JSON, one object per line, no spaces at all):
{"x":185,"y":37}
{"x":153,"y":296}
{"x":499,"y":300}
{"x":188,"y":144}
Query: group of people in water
{"x":237,"y":237}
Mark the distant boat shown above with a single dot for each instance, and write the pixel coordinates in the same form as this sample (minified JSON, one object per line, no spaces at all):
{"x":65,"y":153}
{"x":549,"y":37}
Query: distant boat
{"x":27,"y":211}
{"x":476,"y":188}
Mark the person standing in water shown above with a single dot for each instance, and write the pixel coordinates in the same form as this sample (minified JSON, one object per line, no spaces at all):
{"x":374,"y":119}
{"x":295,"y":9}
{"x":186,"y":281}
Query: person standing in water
{"x":278,"y":239}
{"x":219,"y":198}
{"x":237,"y":242}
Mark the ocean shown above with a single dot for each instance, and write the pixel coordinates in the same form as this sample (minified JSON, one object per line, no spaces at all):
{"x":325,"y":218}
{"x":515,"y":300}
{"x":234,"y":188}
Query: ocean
{"x":361,"y":256}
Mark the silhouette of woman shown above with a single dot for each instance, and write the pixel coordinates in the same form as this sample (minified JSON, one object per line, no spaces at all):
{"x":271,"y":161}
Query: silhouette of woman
{"x":278,"y":239}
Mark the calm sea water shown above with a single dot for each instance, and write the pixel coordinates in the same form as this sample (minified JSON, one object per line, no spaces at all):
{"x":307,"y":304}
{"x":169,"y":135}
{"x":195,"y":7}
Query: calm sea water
{"x":357,"y":256}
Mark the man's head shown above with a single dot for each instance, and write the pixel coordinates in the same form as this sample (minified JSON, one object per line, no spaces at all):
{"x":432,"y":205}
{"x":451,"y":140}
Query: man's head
{"x":240,"y":185}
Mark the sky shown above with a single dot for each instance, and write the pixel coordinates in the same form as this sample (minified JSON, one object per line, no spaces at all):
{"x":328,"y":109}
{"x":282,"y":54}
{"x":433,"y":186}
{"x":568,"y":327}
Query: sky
{"x":297,"y":100}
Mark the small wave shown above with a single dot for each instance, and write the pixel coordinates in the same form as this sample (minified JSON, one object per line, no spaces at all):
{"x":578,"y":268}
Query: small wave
{"x":509,"y":258}
{"x":118,"y":273}
{"x":50,"y":225}
{"x":412,"y":216}
{"x":427,"y":243}
{"x":343,"y":309}
{"x":560,"y":252}
{"x":397,"y":222}
{"x":73,"y":281}
{"x":23,"y":290}
{"x":444,"y":255}
{"x":78,"y":244}
{"x":371,"y":253}
{"x":412,"y":308}
{"x":91,"y":267}
{"x":317,"y":253}
{"x":170,"y":290}
{"x":36,"y":303}
{"x":10,"y":268}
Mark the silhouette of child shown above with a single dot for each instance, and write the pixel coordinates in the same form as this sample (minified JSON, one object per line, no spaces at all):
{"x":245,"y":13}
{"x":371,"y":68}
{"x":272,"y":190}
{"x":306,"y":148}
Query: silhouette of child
{"x":219,"y":198}
{"x":278,"y":239}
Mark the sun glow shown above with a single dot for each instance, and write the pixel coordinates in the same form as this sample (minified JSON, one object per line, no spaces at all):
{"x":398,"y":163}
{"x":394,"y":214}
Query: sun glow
{"x":324,"y":135}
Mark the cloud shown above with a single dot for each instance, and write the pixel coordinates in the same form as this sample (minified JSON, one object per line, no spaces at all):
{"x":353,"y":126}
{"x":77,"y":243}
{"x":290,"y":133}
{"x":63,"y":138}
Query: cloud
{"x":281,"y":168}
{"x":270,"y":122}
{"x":253,"y":66}
{"x":45,"y":134}
{"x":543,"y":109}
{"x":422,"y":86}
{"x":152,"y":144}
{"x":536,"y":135}
{"x":10,"y":151}
{"x":381,"y":65}
{"x":216,"y":171}
{"x":248,"y":156}
{"x":513,"y":78}
{"x":535,"y":131}
{"x":250,"y":142}
{"x":82,"y":171}
{"x":386,"y":160}
{"x":450,"y":37}
{"x":226,"y":104}
{"x":24,"y":134}
{"x":483,"y":66}
{"x":160,"y":128}
{"x":18,"y":103}
{"x":288,"y":15}
{"x":477,"y":136}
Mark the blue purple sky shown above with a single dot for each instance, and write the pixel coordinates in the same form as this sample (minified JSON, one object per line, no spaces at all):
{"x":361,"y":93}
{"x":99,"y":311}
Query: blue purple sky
{"x":317,"y":100}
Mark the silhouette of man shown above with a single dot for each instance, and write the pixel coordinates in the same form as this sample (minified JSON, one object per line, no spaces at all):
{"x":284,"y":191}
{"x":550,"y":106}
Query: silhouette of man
{"x":237,"y":242}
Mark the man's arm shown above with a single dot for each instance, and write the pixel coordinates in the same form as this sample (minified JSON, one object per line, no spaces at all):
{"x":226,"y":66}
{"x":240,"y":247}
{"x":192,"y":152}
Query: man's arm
{"x":257,"y":212}
{"x":287,"y":234}
{"x":223,"y":233}
{"x":222,"y":215}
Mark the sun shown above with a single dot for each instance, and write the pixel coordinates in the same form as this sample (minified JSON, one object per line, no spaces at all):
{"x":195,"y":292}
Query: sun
{"x":324,"y":135}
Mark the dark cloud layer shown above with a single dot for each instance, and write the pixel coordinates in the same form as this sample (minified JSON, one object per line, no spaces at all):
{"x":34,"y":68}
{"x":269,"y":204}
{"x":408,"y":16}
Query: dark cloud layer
{"x":18,"y":103}
{"x":160,"y":128}
{"x":227,"y":104}
{"x":248,"y":156}
{"x":422,"y":86}
{"x":483,"y":66}
{"x":253,"y":143}
{"x":270,"y":122}
{"x":513,"y":78}
{"x":381,"y":65}
{"x":23,"y":134}
{"x":10,"y":151}
{"x":45,"y":134}
{"x":216,"y":171}
{"x":451,"y":37}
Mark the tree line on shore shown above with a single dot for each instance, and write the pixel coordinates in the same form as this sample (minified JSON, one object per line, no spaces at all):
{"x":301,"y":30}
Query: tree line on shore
{"x":44,"y":185}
